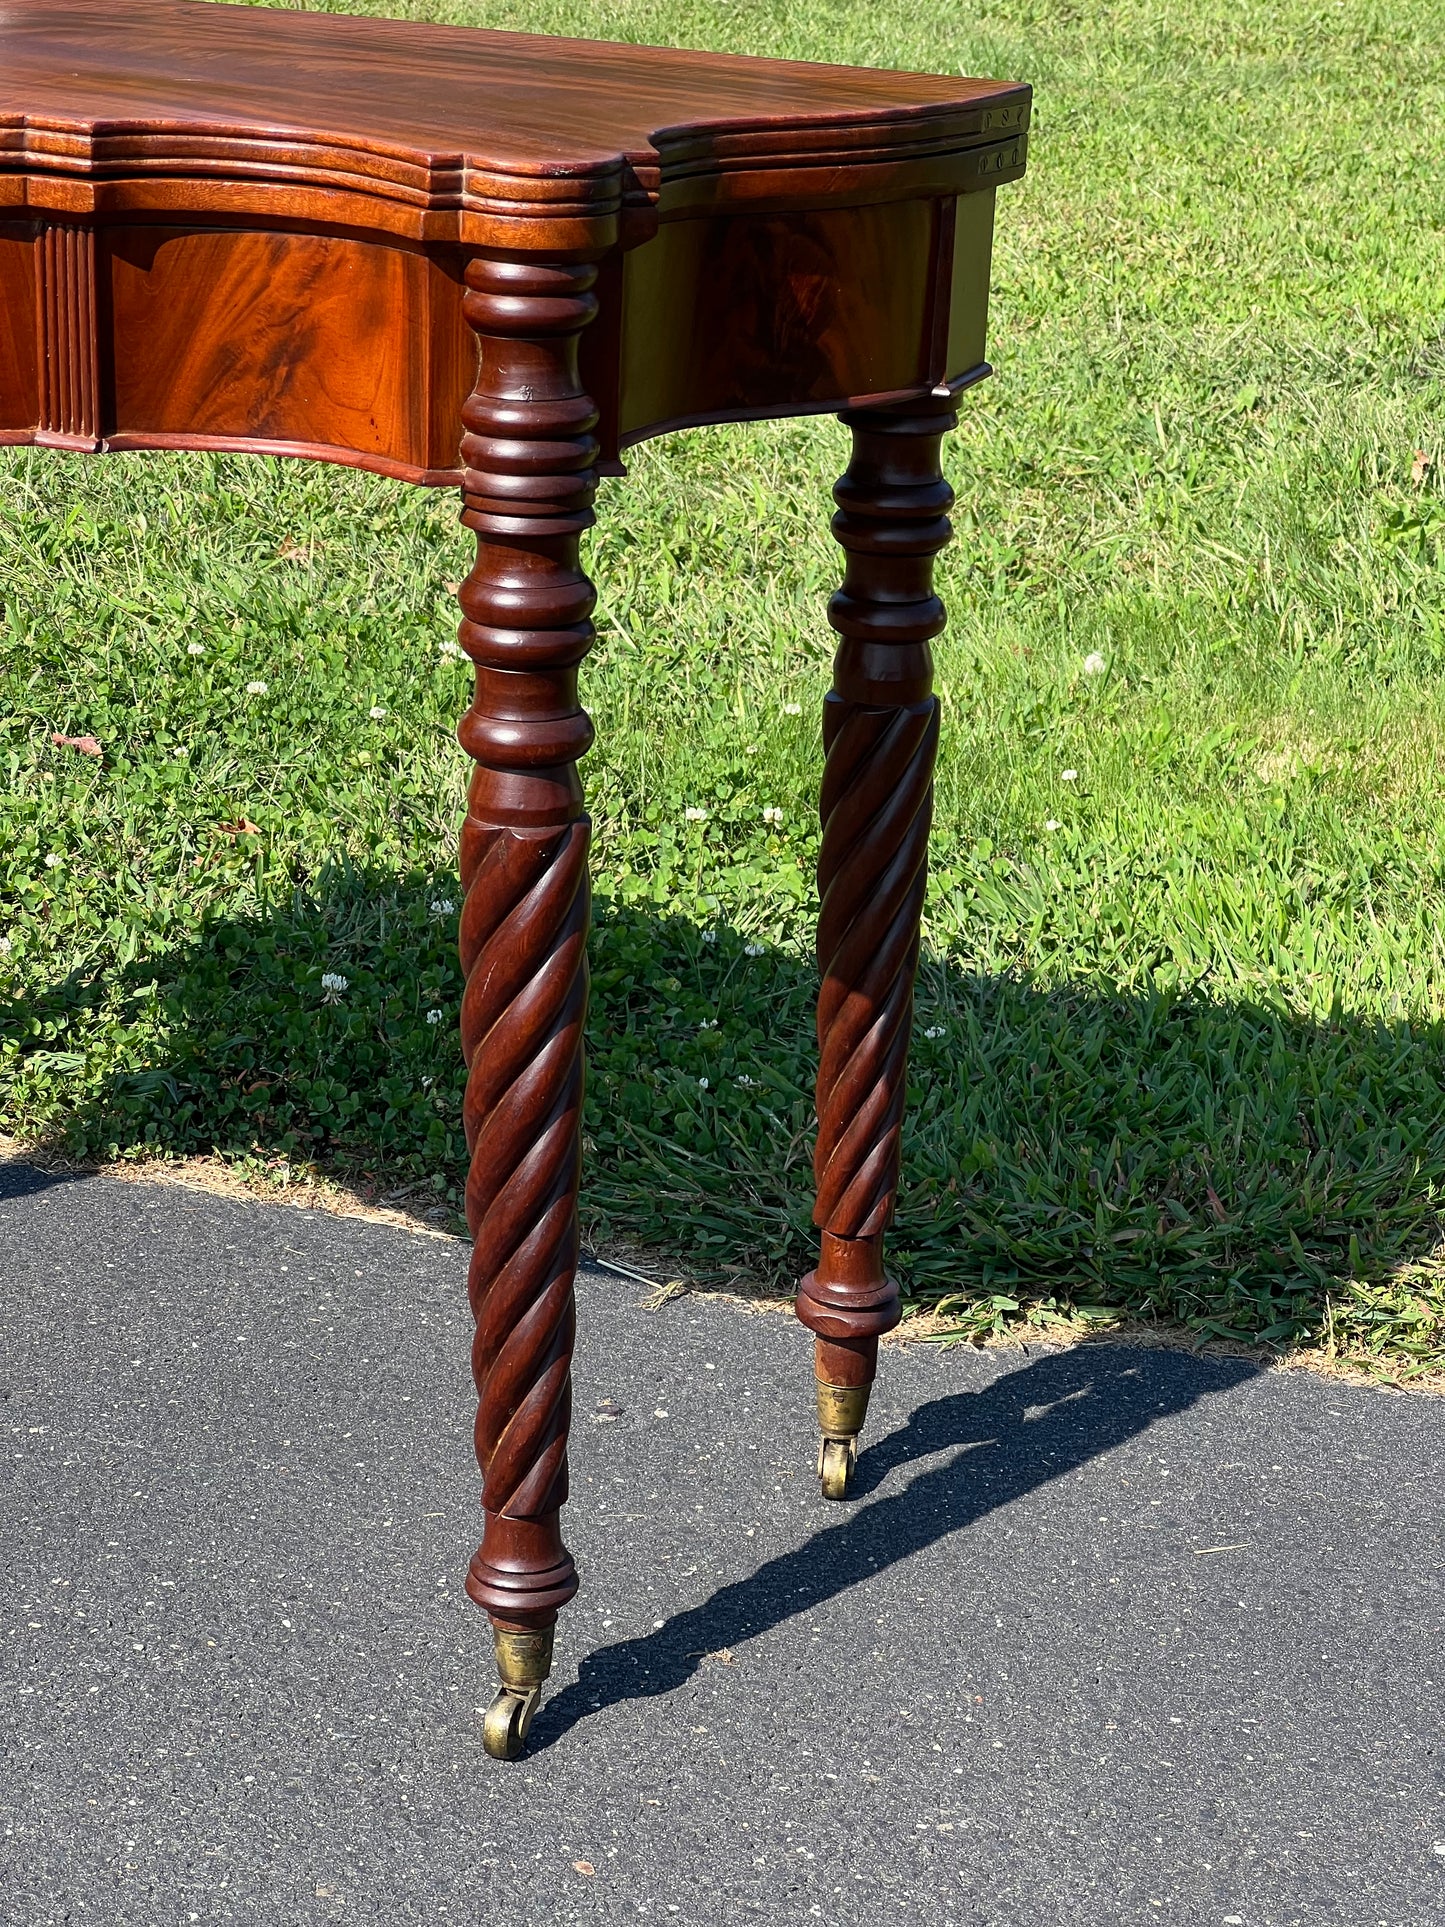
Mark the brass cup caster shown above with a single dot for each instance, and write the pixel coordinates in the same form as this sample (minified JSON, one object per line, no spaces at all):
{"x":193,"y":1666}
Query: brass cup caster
{"x":841,"y":1412}
{"x":524,"y":1659}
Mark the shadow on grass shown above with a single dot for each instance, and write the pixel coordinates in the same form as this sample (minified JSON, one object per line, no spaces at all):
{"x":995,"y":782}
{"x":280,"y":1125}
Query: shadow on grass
{"x":1031,"y":1426}
{"x":1220,"y":1162}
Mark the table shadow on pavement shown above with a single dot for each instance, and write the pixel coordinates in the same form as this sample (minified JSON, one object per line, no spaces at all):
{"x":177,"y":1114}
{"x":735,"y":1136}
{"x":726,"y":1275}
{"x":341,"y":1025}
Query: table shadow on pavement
{"x":1031,"y":1426}
{"x":22,"y":1180}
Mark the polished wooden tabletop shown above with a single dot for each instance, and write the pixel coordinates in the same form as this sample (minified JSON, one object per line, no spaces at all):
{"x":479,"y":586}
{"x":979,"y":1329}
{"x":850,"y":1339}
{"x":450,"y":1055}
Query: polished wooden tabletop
{"x":458,"y":114}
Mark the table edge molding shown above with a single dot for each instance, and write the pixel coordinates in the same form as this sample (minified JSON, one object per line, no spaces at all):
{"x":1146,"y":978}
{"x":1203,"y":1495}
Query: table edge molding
{"x":78,"y":169}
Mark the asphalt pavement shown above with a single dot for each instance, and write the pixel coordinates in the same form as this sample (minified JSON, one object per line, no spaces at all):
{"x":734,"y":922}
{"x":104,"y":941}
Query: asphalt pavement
{"x":1106,"y":1635}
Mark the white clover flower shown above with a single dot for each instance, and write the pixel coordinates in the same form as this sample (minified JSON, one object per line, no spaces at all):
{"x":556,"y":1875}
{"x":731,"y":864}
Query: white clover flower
{"x":695,"y":816}
{"x":708,"y":1023}
{"x":752,"y":950}
{"x":746,"y":1081}
{"x":435,"y":1016}
{"x":1070,"y":776}
{"x":1053,"y":824}
{"x":1094,"y":664}
{"x":195,"y":649}
{"x":255,"y":689}
{"x":792,"y":709}
{"x":181,"y":751}
{"x":935,"y":1030}
{"x":332,"y":985}
{"x":449,"y":647}
{"x":52,"y":861}
{"x":440,"y":907}
{"x":376,"y":712}
{"x":772,"y":814}
{"x":709,"y":936}
{"x":702,"y":1083}
{"x":5,"y":946}
{"x":751,"y":750}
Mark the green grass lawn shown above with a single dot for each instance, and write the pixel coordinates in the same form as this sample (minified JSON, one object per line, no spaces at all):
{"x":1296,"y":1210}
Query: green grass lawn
{"x":1180,"y":1041}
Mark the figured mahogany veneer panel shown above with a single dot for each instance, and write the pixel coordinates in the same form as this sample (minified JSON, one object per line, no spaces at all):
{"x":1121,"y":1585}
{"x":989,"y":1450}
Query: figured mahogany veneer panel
{"x":19,"y":333}
{"x":356,"y":349}
{"x":292,"y":341}
{"x":738,"y":314}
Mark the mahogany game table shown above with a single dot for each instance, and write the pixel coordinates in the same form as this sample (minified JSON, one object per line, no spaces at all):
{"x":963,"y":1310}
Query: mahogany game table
{"x":224,"y":227}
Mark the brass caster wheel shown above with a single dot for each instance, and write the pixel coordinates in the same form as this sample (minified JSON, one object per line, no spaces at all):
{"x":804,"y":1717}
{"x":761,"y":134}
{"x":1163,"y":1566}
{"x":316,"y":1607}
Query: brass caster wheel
{"x":841,"y":1412}
{"x":836,"y":1460}
{"x":524,"y":1659}
{"x":508,"y":1720}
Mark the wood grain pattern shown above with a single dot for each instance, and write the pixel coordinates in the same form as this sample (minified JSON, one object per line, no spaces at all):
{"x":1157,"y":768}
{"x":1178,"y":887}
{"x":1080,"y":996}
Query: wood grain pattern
{"x":353,"y":348}
{"x":745,"y":314}
{"x":268,"y":214}
{"x":447,"y":133}
{"x":20,"y":333}
{"x":350,"y":349}
{"x":319,"y":344}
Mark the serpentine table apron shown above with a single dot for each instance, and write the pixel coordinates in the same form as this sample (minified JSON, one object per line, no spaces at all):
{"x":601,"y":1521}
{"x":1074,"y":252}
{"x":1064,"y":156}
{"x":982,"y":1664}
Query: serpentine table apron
{"x":308,"y":234}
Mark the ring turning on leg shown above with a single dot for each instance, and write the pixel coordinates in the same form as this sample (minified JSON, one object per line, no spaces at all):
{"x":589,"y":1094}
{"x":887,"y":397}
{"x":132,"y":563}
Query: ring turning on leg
{"x":880,"y":733}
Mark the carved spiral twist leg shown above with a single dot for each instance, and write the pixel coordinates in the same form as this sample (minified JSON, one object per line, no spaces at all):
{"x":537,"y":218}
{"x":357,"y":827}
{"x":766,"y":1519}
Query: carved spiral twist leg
{"x":529,"y":455}
{"x":880,"y":732}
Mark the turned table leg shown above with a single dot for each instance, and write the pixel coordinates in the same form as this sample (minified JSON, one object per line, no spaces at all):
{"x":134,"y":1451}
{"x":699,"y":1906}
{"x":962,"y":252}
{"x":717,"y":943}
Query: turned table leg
{"x":880,"y":732}
{"x":529,"y":456}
